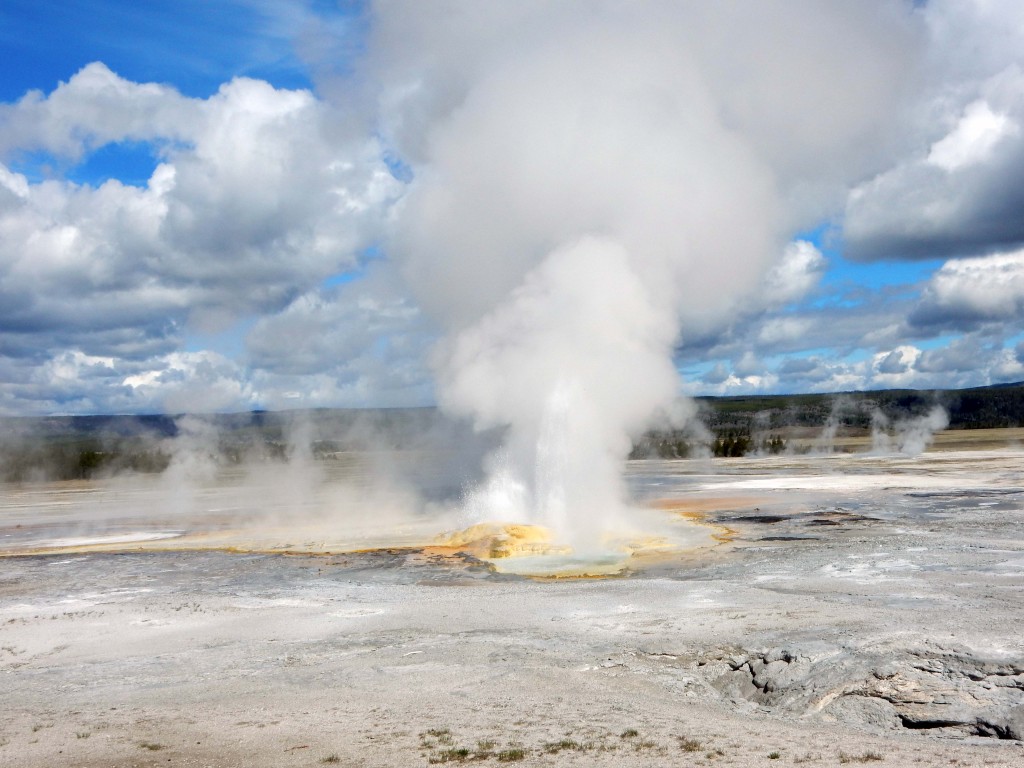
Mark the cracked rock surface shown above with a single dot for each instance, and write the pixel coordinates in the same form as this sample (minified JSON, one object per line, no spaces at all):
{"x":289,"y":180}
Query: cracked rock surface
{"x":944,"y":689}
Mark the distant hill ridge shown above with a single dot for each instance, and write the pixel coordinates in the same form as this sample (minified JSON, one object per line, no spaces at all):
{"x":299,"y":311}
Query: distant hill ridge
{"x":68,"y":447}
{"x":989,"y":407}
{"x":992,"y":406}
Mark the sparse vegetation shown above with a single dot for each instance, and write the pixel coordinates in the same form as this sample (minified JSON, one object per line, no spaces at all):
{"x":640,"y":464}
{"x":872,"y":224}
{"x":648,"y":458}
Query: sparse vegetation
{"x":806,"y":758}
{"x":867,"y":757}
{"x":454,"y":755}
{"x":554,"y":747}
{"x":443,"y":737}
{"x":151,"y":746}
{"x":82,"y":734}
{"x":440,"y":747}
{"x":331,"y":758}
{"x":690,"y":745}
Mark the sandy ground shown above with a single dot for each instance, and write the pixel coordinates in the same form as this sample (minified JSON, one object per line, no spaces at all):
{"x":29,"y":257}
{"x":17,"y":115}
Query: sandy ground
{"x":844,"y":610}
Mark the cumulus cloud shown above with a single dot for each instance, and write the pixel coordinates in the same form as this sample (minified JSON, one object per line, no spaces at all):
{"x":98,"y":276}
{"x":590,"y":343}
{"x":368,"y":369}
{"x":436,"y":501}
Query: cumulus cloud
{"x":774,"y":330}
{"x":963,"y":361}
{"x":193,"y":382}
{"x":96,"y":107}
{"x":960,"y":355}
{"x":257,"y":195}
{"x":255,"y":199}
{"x":799,"y":366}
{"x":973,"y":139}
{"x":354,"y":344}
{"x":796,"y":274}
{"x":748,"y":365}
{"x":1008,"y":366}
{"x":72,"y":381}
{"x":716,"y":375}
{"x":893,"y":367}
{"x":897,"y":361}
{"x":741,"y":385}
{"x":966,"y":292}
{"x":958,"y":188}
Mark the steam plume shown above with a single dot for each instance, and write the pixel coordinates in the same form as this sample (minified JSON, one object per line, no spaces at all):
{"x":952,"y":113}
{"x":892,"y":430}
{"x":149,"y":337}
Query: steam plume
{"x":593,"y":181}
{"x":909,"y":436}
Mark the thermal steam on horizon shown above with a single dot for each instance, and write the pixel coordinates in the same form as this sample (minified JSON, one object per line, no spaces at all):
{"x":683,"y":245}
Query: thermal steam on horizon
{"x":596,"y":182}
{"x":911,"y":435}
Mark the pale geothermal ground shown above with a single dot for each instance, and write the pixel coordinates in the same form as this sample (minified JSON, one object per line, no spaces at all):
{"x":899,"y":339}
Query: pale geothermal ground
{"x":816,"y":610}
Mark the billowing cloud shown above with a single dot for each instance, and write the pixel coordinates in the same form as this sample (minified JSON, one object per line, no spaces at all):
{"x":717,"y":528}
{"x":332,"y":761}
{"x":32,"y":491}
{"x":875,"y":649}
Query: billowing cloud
{"x":973,"y":139}
{"x":255,"y":199}
{"x":897,"y":361}
{"x":796,"y":274}
{"x":958,"y":189}
{"x":783,"y":329}
{"x":360,"y":342}
{"x":959,"y":356}
{"x":716,"y":375}
{"x":193,"y":382}
{"x":966,"y":292}
{"x":966,"y":361}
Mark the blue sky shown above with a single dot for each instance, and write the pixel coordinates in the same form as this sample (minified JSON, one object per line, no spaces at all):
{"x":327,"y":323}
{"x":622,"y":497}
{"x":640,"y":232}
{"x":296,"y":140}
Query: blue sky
{"x":194,"y":45}
{"x":202,"y":208}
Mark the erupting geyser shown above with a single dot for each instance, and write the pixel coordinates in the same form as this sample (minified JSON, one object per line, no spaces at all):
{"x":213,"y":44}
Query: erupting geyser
{"x":589,"y":179}
{"x":574,"y":357}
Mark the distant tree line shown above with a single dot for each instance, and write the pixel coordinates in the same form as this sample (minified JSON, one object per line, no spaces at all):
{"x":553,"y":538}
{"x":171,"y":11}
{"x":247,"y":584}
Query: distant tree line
{"x":81,"y":447}
{"x":729,"y":444}
{"x":751,"y":423}
{"x":985,"y":408}
{"x":75,"y":458}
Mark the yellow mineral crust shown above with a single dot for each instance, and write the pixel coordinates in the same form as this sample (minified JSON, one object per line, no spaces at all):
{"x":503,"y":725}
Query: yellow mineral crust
{"x":493,"y":541}
{"x":697,"y":510}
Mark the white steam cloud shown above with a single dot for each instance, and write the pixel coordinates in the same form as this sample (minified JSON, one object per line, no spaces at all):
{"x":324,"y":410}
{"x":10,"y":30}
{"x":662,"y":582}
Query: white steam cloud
{"x":594,"y":181}
{"x":908,"y":436}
